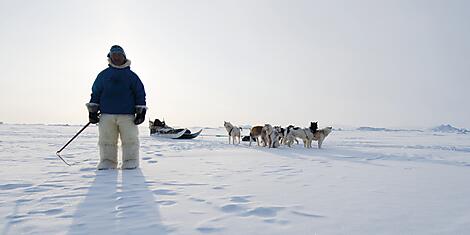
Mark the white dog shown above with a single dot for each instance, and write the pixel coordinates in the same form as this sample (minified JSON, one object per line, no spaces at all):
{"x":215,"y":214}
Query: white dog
{"x":301,"y":133}
{"x":320,"y":135}
{"x":288,"y":141}
{"x":305,"y":134}
{"x":266,"y":137}
{"x":233,"y":132}
{"x":296,"y":132}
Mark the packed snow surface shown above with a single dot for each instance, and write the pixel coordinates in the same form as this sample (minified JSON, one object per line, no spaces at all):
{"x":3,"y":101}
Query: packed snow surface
{"x":361,"y":182}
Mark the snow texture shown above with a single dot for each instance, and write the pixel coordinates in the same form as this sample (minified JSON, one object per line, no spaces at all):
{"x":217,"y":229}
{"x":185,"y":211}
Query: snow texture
{"x":362,"y":182}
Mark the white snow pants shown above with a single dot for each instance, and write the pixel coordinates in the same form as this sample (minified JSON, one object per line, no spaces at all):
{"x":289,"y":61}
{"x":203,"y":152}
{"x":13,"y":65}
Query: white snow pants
{"x":111,"y":126}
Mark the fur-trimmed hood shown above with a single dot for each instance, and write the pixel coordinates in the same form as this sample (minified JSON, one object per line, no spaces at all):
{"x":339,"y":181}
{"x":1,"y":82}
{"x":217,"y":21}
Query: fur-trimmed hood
{"x":125,"y":65}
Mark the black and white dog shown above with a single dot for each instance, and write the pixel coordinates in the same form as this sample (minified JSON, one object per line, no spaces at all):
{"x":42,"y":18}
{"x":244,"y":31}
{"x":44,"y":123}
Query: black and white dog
{"x":278,"y":136}
{"x":233,"y":132}
{"x":287,"y":133}
{"x":305,"y":134}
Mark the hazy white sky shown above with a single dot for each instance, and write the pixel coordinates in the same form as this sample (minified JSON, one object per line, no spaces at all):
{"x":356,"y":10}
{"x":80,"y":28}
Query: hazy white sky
{"x":382,"y":63}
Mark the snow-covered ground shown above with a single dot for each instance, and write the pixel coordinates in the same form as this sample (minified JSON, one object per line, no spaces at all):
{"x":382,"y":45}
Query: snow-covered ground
{"x":362,"y":182}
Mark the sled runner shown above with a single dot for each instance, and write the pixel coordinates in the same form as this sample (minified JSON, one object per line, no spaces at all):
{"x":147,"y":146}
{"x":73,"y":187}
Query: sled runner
{"x":189,"y":135}
{"x":159,"y":128}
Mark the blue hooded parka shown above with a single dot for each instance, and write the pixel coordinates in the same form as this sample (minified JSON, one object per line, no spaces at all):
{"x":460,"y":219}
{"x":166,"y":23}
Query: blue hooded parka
{"x":118,"y":91}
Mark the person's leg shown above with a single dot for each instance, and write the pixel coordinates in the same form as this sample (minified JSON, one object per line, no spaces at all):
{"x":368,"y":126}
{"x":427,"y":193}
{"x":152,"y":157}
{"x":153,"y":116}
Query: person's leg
{"x":108,"y":135}
{"x":130,"y":141}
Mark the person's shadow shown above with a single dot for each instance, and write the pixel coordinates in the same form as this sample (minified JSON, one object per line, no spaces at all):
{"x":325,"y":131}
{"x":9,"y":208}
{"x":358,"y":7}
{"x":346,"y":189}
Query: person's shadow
{"x":113,"y":207}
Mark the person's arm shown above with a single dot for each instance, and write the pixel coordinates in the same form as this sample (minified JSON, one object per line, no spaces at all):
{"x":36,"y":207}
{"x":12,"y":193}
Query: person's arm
{"x":140,"y":102}
{"x":139,"y":92}
{"x":96,"y":90}
{"x":94,"y":105}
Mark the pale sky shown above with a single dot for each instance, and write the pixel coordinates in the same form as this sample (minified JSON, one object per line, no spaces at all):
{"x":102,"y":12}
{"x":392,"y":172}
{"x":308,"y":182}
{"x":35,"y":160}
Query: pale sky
{"x":396,"y":63}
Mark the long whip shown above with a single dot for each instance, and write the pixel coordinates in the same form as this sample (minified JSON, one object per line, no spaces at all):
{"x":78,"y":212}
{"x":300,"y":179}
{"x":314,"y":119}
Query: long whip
{"x":60,"y":150}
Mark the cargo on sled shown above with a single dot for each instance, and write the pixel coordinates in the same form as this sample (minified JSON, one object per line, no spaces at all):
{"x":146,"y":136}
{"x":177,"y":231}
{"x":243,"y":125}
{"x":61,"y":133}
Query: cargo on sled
{"x":160,"y":129}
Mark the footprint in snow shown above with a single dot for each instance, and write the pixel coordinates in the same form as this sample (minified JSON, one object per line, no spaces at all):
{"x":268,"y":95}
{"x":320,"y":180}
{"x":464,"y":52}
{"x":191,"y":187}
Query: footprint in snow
{"x":47,"y":212}
{"x":197,"y":199}
{"x":208,"y":229}
{"x":176,"y":183}
{"x":240,"y":199}
{"x":231,"y":208}
{"x":17,"y":220}
{"x":197,"y":212}
{"x":14,"y":186}
{"x":164,"y":192}
{"x":57,"y":172}
{"x":88,"y":169}
{"x":305,"y":214}
{"x":23,"y":200}
{"x":218,"y":187}
{"x":88,"y":176}
{"x":166,"y":202}
{"x":80,"y":188}
{"x":150,"y":182}
{"x":126,"y":206}
{"x":277,"y":221}
{"x":263,"y":211}
{"x":15,"y":217}
{"x":49,"y":185}
{"x":36,"y":189}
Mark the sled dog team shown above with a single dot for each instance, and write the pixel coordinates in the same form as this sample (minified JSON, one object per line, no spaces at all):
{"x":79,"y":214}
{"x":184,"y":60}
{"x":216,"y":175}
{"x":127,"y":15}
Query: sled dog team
{"x":273,"y":137}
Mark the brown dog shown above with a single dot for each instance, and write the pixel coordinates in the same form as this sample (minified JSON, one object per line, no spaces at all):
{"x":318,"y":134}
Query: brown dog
{"x":255,"y":132}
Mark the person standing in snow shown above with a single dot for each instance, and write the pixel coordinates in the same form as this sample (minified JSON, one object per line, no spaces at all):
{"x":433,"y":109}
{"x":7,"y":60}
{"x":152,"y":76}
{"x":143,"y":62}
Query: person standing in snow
{"x":119,"y":96}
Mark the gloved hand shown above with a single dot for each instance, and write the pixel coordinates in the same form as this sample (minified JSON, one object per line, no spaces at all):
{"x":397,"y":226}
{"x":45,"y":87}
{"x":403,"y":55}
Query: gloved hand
{"x":140,"y":117}
{"x":93,"y":109}
{"x":93,"y":117}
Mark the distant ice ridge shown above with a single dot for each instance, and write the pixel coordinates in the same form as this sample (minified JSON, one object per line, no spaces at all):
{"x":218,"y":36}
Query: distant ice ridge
{"x":444,"y":128}
{"x":368,"y":128}
{"x":447,"y":128}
